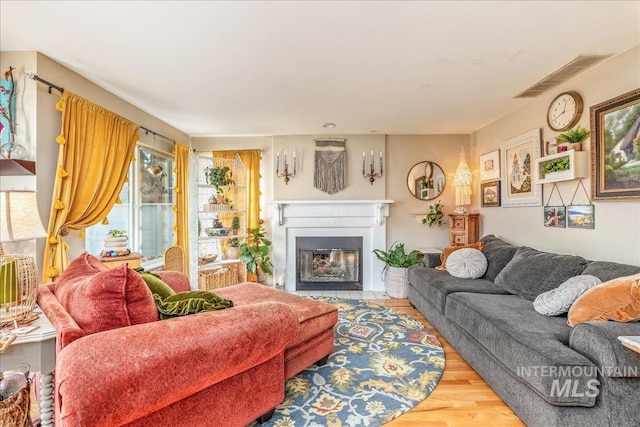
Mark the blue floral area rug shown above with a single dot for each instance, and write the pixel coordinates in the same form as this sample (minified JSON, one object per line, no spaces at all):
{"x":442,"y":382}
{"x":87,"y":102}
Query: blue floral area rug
{"x":384,"y":363}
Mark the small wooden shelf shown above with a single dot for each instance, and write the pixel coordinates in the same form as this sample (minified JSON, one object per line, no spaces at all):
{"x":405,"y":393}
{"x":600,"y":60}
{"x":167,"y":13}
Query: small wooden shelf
{"x":14,"y":167}
{"x":578,"y":167}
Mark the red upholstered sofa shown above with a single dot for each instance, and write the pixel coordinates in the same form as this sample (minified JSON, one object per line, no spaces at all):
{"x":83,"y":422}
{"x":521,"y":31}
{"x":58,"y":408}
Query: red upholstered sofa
{"x":117,"y":365}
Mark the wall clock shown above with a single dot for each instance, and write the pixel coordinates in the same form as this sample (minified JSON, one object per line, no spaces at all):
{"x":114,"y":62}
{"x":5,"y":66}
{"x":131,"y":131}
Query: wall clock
{"x":564,"y":111}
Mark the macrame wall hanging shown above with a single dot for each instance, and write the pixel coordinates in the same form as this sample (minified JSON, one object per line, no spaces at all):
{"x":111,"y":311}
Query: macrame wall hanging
{"x":330,"y":174}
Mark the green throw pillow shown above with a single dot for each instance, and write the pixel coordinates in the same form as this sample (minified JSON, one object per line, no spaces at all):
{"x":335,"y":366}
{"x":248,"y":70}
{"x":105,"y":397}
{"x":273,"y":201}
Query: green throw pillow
{"x":191,"y":302}
{"x":157,"y":286}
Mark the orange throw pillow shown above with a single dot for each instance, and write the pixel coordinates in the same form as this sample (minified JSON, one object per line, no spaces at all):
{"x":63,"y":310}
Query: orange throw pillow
{"x":617,"y":299}
{"x":451,"y":249}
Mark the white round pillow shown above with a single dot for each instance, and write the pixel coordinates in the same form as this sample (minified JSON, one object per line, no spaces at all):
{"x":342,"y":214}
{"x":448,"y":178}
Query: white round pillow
{"x":467,"y":263}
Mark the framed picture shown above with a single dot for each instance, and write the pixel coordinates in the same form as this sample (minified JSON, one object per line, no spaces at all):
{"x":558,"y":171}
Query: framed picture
{"x":490,"y":166}
{"x":518,"y":157}
{"x":615,"y":148}
{"x":581,"y":216}
{"x":490,"y":193}
{"x":555,"y":216}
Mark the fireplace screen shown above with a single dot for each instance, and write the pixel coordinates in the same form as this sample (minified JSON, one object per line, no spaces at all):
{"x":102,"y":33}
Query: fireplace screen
{"x":321,"y":267}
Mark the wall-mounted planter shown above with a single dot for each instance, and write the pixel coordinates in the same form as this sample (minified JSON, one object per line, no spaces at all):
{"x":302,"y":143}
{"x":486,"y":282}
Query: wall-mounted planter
{"x":577,"y":167}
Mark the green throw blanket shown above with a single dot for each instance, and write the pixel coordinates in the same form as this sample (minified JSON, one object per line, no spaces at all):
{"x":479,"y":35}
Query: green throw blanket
{"x":171,"y":304}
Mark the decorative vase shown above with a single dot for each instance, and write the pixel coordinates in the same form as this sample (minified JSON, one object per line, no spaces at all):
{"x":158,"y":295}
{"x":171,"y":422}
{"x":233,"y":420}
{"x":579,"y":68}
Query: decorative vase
{"x":11,"y":150}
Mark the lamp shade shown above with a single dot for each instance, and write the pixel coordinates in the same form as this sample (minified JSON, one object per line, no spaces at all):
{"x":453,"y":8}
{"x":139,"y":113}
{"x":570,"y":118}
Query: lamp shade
{"x":19,"y":217}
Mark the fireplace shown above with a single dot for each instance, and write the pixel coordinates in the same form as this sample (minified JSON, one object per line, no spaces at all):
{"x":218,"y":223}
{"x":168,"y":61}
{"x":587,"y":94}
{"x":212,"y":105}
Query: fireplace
{"x":328,"y":263}
{"x":364,"y":219}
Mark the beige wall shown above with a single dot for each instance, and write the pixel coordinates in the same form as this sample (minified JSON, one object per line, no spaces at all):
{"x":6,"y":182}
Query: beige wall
{"x":44,"y":123}
{"x":404,"y":151}
{"x":617,"y":224}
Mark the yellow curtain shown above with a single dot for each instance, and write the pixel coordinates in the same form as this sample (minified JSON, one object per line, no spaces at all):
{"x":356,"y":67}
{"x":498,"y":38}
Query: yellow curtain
{"x":96,"y":148}
{"x":181,"y":207}
{"x":251,"y":159}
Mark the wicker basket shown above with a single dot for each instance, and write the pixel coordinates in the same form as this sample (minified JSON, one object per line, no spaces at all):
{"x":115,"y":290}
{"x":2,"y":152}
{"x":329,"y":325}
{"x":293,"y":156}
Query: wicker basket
{"x":14,"y":411}
{"x":217,"y":278}
{"x":396,"y":282}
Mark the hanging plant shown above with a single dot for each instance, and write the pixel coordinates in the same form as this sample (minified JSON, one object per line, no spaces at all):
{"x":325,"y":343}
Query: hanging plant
{"x":219,"y":176}
{"x":435,"y":216}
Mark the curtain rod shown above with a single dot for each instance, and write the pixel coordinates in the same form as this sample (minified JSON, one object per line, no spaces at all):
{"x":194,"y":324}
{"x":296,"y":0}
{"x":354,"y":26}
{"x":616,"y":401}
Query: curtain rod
{"x":41,"y":80}
{"x":35,"y":77}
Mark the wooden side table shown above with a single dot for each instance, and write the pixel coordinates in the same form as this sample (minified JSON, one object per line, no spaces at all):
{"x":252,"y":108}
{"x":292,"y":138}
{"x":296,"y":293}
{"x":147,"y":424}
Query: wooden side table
{"x":463,"y":228}
{"x":35,"y":352}
{"x":133,"y":259}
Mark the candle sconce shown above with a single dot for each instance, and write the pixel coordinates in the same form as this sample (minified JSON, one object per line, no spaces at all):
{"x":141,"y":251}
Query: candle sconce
{"x":372,"y":175}
{"x":285,"y":173}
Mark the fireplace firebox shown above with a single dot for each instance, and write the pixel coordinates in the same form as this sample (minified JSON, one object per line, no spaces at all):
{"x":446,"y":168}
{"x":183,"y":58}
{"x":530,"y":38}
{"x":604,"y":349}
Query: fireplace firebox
{"x":329,"y":263}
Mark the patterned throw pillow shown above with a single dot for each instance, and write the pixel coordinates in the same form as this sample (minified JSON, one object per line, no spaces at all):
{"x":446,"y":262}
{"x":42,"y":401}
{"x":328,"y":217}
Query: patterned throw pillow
{"x":558,"y":301}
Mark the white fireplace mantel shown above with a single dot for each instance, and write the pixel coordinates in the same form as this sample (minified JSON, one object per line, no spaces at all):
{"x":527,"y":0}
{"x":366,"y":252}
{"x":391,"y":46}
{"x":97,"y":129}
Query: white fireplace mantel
{"x":308,"y":218}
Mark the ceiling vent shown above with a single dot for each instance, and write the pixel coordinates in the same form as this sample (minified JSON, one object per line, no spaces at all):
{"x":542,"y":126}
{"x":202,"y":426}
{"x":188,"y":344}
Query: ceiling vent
{"x":562,"y":74}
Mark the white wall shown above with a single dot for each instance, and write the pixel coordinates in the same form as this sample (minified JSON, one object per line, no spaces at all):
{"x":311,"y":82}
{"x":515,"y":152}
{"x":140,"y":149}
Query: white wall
{"x":617,"y":224}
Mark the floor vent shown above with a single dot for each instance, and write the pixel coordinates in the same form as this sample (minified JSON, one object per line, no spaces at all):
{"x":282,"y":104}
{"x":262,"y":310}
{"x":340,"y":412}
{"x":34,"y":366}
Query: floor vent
{"x":562,"y":74}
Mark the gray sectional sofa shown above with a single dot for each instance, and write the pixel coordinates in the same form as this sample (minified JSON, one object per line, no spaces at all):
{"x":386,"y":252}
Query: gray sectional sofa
{"x":549,"y":373}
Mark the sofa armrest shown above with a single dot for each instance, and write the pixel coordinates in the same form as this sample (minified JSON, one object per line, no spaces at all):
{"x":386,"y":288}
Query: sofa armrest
{"x":67,"y":330}
{"x":598,"y":342}
{"x":114,"y":377}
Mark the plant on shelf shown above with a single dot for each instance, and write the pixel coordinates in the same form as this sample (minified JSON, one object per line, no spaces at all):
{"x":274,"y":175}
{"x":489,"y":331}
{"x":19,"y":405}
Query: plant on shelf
{"x":435,"y":216}
{"x":556,"y":165}
{"x":255,"y":253}
{"x":219,"y":176}
{"x":235,"y":224}
{"x":574,"y":136}
{"x":397,"y":263}
{"x":233,"y":250}
{"x":117,"y":233}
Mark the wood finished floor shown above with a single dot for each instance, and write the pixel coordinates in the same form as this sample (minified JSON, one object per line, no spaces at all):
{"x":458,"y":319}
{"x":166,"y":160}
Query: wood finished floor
{"x":461,"y":398}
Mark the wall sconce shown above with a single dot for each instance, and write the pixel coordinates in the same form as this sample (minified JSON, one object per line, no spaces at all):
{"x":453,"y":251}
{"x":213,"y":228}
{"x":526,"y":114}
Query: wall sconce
{"x":462,"y":182}
{"x":372,"y":175}
{"x":285,"y":173}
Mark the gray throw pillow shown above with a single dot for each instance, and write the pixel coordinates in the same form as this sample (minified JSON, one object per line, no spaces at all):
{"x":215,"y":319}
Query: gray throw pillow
{"x":467,"y":263}
{"x":531,"y":272}
{"x":558,"y":301}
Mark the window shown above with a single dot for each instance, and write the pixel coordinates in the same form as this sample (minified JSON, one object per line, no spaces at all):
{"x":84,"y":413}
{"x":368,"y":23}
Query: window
{"x":147,"y":207}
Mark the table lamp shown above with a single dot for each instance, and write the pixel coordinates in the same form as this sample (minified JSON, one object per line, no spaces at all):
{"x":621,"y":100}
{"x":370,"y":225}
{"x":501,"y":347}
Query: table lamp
{"x":19,"y":220}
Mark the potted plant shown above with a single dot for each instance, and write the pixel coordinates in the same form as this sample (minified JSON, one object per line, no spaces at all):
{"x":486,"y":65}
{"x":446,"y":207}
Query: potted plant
{"x":235,"y":224}
{"x":435,"y":217}
{"x":233,"y":248}
{"x":573,"y":138}
{"x":396,"y":269}
{"x":255,"y":254}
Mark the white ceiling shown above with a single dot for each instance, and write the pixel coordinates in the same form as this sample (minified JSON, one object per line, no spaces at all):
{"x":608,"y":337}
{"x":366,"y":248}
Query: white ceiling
{"x":285,"y":67}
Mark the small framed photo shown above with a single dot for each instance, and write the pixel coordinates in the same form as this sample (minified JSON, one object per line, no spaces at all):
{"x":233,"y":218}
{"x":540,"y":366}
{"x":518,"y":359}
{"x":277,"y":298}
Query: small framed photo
{"x":581,"y":216}
{"x":518,"y":155}
{"x":490,"y":193}
{"x":490,"y":166}
{"x":555,"y":216}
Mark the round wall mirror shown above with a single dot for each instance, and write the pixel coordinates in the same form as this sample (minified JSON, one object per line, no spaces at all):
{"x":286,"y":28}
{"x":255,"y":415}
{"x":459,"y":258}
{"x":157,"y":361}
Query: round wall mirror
{"x":426,"y":180}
